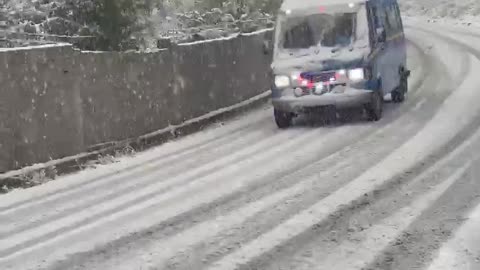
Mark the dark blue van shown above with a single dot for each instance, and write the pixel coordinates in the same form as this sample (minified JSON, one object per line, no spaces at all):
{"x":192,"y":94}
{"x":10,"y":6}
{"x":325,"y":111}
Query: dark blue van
{"x":337,"y":54}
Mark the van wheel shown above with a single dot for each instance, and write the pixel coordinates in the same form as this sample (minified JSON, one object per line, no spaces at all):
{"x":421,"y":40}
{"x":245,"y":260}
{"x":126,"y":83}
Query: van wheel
{"x":398,"y":96}
{"x":283,"y":119}
{"x":375,"y":107}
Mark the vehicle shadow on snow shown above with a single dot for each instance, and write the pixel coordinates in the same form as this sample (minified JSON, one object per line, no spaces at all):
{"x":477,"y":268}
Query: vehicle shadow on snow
{"x":331,"y":118}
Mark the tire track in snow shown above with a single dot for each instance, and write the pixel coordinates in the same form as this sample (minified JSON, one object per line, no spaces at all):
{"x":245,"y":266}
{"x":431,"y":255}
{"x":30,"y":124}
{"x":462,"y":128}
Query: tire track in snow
{"x":226,"y":134}
{"x":212,"y":225}
{"x":357,"y":129}
{"x":378,"y":211}
{"x":15,"y":222}
{"x":170,"y":161}
{"x":210,"y":228}
{"x":153,"y":201}
{"x":362,"y":151}
{"x":259,"y":173}
{"x":436,"y":225}
{"x":463,"y":135}
{"x":135,"y":197}
{"x":409,"y":154}
{"x":357,"y":255}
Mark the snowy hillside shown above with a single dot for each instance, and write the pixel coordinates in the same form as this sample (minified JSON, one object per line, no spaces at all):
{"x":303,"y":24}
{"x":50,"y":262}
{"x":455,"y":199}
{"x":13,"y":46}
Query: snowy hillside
{"x":463,"y":10}
{"x":24,"y":20}
{"x":60,"y":17}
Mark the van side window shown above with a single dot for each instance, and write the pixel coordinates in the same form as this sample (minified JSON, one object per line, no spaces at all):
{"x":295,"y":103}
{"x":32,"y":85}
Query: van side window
{"x":388,"y":23}
{"x":399,"y":18}
{"x":376,"y":21}
{"x":391,"y":20}
{"x":371,"y":25}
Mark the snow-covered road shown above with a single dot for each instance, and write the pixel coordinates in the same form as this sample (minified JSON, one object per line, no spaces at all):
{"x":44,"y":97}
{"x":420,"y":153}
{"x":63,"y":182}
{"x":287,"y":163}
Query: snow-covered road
{"x":245,"y":195}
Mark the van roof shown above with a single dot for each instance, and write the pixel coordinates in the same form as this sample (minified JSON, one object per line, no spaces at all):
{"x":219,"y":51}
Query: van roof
{"x":305,"y":4}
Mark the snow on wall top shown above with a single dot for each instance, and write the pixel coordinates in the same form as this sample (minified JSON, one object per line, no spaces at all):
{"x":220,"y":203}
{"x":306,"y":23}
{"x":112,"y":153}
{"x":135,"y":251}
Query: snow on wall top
{"x":27,"y":48}
{"x":304,"y":4}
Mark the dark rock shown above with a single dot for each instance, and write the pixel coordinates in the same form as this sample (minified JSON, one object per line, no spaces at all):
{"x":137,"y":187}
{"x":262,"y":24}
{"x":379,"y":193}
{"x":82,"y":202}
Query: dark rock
{"x":14,"y":15}
{"x":195,"y":37}
{"x":212,"y":18}
{"x":228,"y":18}
{"x":60,"y":11}
{"x":131,"y":44}
{"x":60,"y":26}
{"x":211,"y":33}
{"x":255,"y":15}
{"x":84,"y":31}
{"x":34,"y":16}
{"x":248,"y":26}
{"x":217,"y":11}
{"x":164,"y":43}
{"x":29,"y":28}
{"x":36,"y":4}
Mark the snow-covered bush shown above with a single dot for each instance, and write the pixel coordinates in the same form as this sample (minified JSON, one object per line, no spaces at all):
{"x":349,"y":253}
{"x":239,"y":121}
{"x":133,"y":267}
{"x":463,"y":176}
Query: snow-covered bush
{"x":135,"y":24}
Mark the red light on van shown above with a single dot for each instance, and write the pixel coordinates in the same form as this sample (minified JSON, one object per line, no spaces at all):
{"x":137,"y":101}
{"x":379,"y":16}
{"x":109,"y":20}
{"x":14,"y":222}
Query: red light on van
{"x":322,"y":9}
{"x":340,"y":74}
{"x":305,"y":82}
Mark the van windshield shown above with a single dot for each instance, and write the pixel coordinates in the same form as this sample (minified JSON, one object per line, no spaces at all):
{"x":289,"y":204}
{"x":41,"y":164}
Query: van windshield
{"x":325,"y":30}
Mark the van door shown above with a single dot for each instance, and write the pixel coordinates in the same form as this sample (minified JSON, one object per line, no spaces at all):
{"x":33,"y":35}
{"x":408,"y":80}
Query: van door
{"x":401,"y":40}
{"x":384,"y":43}
{"x":379,"y":58}
{"x":396,"y":43}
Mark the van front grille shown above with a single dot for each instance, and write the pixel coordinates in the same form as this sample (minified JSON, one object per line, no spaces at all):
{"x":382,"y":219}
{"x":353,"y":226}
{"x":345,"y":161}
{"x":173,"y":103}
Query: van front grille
{"x":323,"y":77}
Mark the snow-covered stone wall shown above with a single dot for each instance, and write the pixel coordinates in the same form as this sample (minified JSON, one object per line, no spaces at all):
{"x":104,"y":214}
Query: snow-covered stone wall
{"x":56,"y":101}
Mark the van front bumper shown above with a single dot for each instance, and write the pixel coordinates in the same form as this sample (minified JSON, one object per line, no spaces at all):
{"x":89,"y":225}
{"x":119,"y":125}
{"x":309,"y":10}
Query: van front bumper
{"x":349,"y":98}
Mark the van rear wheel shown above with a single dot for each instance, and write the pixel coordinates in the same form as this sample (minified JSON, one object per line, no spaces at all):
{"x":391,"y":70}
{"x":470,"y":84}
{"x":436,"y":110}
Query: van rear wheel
{"x":283,"y":119}
{"x":375,"y":107}
{"x":398,"y":96}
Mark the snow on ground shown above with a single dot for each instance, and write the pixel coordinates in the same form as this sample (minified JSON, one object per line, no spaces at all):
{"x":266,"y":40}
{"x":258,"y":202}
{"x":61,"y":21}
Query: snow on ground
{"x":455,"y":9}
{"x":232,"y":194}
{"x":462,"y":252}
{"x":445,"y":125}
{"x":450,"y":11}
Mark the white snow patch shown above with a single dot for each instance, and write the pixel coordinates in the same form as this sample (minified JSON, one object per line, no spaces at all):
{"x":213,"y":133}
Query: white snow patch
{"x":462,"y":252}
{"x":455,"y":9}
{"x":456,"y":112}
{"x":304,"y":4}
{"x":202,"y":190}
{"x":230,"y":37}
{"x":27,"y":48}
{"x":358,"y":254}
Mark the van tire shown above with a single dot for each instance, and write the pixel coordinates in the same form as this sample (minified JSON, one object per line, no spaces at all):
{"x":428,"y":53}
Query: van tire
{"x":375,"y":107}
{"x":398,"y":96}
{"x":283,"y":119}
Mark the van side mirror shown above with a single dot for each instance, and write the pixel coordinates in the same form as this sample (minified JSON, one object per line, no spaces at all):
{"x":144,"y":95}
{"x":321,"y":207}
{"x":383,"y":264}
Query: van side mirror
{"x":381,"y":35}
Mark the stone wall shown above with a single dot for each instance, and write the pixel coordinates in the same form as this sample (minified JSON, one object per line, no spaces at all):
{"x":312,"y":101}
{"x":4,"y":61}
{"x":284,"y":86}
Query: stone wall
{"x":56,"y":101}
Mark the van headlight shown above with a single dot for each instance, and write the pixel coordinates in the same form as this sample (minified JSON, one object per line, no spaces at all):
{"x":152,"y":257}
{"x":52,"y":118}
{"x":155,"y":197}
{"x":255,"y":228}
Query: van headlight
{"x":356,"y":74}
{"x":282,"y":81}
{"x":295,"y":76}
